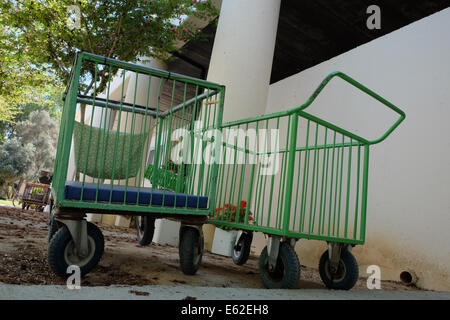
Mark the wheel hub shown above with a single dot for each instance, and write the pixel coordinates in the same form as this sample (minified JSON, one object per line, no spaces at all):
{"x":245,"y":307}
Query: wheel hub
{"x":337,"y":273}
{"x":72,"y":257}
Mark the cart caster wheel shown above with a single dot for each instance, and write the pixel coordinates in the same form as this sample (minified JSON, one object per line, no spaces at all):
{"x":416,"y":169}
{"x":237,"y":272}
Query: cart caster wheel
{"x":241,"y":250}
{"x":62,"y":251}
{"x":190,"y":250}
{"x":346,"y":275}
{"x":287,"y":271}
{"x":53,"y":227}
{"x":23,"y":205}
{"x":145,"y":228}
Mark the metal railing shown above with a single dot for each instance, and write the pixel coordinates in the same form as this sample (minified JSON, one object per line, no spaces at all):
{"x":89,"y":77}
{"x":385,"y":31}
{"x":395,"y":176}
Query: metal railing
{"x":318,"y":186}
{"x":115,"y":147}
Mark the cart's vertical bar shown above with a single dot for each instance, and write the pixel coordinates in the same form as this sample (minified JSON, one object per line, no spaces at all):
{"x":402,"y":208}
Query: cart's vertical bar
{"x":201,"y":170}
{"x":144,"y":149}
{"x":340,"y":187}
{"x":167,"y":141}
{"x":250,"y":185}
{"x":130,"y":148}
{"x":192,"y":145}
{"x":364,"y":193}
{"x":312,"y":207}
{"x":159,"y":132}
{"x":265,"y":175}
{"x":206,"y":129}
{"x":221,"y":178}
{"x":336,"y":189}
{"x":273,"y":174}
{"x":323,"y":178}
{"x":180,"y":174}
{"x":290,"y":173}
{"x":241,"y":179}
{"x":67,"y":137}
{"x":218,"y":143}
{"x":325,"y":192}
{"x":298,"y":186}
{"x":90,"y":133}
{"x":331,"y":183}
{"x":234,"y":176}
{"x":258,"y":212}
{"x":305,"y":180}
{"x":355,"y":224}
{"x":103,"y":114}
{"x":106,"y":123}
{"x":116,"y":143}
{"x":348,"y":186}
{"x":280,"y":210}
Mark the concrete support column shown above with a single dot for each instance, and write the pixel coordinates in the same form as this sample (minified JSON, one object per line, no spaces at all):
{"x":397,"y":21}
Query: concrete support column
{"x":243,"y":53}
{"x":242,"y":61}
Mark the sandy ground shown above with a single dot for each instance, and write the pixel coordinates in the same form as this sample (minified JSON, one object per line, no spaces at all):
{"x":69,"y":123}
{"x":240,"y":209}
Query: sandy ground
{"x":23,"y":261}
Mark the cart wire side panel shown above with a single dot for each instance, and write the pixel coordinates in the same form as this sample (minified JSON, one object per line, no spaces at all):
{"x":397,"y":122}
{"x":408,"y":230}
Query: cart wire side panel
{"x":124,"y":140}
{"x":295,"y":175}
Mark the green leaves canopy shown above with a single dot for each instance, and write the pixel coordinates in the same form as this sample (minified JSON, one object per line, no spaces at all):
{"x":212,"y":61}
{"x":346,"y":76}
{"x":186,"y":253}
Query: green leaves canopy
{"x":121,"y":29}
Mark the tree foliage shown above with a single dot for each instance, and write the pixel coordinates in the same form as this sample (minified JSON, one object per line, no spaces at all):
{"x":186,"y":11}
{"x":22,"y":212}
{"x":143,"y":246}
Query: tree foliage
{"x":121,"y":29}
{"x":50,"y":102}
{"x":21,"y":81}
{"x":16,"y":161}
{"x":41,"y":131}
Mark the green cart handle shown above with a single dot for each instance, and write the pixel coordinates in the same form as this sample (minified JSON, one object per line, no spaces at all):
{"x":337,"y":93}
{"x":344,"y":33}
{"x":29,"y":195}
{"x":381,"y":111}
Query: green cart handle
{"x":365,"y":90}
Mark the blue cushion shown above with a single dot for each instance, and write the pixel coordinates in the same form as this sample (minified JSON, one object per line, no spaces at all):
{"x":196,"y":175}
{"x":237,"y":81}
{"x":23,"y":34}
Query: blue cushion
{"x":171,"y":199}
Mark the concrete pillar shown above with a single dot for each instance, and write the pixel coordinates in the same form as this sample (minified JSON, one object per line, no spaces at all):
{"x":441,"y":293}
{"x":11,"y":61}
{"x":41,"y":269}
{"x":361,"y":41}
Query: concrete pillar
{"x":142,"y":83}
{"x":243,"y":53}
{"x":242,"y":61}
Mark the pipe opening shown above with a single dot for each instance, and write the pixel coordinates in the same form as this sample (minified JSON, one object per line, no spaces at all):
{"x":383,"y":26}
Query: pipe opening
{"x":408,"y":277}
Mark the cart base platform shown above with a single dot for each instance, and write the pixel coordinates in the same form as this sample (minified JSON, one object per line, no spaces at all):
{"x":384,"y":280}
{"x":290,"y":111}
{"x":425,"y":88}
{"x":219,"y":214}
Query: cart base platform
{"x":130,"y":195}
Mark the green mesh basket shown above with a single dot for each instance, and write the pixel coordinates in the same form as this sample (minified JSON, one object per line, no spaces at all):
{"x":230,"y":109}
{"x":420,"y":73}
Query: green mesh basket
{"x":95,"y":147}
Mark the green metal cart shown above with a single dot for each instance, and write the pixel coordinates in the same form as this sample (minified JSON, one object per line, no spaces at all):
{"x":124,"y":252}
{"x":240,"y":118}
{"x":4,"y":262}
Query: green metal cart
{"x":318,"y":190}
{"x":102,"y":165}
{"x":160,"y":150}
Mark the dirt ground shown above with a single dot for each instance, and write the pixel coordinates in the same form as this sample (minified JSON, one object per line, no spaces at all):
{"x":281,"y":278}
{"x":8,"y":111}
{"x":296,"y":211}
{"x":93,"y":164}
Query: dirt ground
{"x":23,"y":260}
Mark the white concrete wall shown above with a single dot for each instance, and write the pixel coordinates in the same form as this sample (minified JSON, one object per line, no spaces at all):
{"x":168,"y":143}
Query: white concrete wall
{"x":408,"y":218}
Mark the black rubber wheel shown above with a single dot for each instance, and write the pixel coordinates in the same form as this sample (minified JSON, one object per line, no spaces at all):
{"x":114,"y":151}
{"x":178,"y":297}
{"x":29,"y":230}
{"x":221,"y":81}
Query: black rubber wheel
{"x":190,"y":250}
{"x":346,"y":275}
{"x":53,"y":227}
{"x":241,"y":250}
{"x":61,"y":251}
{"x":23,"y":205}
{"x":287,"y":271}
{"x":145,"y":229}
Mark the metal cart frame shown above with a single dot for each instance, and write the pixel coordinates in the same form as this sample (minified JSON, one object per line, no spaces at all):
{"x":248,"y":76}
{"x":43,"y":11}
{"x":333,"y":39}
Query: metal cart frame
{"x":107,"y":141}
{"x":319,"y":191}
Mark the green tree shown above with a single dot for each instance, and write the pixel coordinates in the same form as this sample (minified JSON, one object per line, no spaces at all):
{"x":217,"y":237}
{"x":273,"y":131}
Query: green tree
{"x":41,"y":131}
{"x":121,"y":29}
{"x":16,"y":163}
{"x":21,"y":81}
{"x":50,"y":102}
